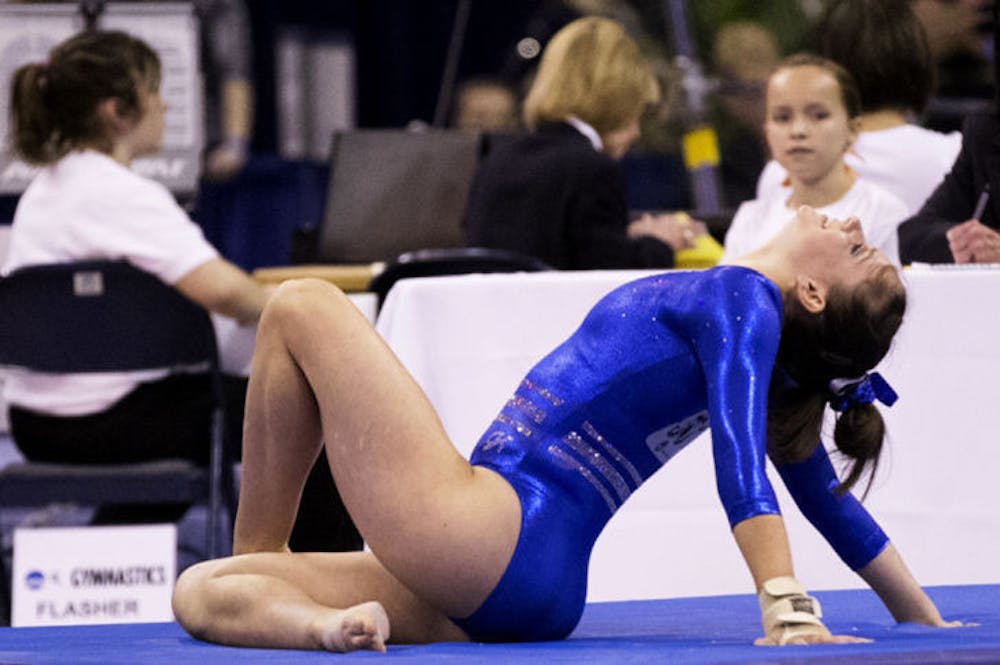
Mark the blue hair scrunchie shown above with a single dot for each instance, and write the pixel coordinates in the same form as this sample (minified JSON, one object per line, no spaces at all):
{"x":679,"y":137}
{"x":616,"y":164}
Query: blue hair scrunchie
{"x":855,"y":392}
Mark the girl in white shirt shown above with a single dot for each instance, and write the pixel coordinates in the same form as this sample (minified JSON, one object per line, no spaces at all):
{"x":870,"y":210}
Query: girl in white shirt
{"x":82,"y":116}
{"x":884,"y":47}
{"x":811,"y":123}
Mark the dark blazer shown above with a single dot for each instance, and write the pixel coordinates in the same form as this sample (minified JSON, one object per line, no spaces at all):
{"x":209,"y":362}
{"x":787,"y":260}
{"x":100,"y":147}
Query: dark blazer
{"x":922,"y":237}
{"x":550,"y":195}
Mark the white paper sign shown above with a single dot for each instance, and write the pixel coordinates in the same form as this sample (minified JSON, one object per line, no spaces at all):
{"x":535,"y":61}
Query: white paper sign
{"x":92,"y":575}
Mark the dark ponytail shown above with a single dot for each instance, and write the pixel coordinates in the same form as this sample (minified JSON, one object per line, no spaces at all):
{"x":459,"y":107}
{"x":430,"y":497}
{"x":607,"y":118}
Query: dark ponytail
{"x":32,"y":130}
{"x":859,"y":434}
{"x":54,"y":105}
{"x":847,"y":339}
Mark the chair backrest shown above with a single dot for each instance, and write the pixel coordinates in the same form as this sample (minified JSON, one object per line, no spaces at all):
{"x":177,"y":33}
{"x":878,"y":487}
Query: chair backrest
{"x":99,"y":316}
{"x":393,"y":191}
{"x":456,"y":261}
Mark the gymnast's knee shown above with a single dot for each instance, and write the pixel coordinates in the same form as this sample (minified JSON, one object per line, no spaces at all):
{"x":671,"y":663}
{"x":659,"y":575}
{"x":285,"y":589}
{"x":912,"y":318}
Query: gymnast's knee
{"x":190,"y":601}
{"x":298,"y":302}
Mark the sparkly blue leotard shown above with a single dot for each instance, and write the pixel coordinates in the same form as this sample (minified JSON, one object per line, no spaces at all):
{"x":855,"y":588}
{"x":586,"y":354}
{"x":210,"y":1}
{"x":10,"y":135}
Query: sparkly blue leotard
{"x":654,"y":363}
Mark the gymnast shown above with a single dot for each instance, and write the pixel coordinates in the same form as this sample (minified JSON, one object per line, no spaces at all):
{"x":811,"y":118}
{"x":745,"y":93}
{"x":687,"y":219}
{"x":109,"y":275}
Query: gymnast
{"x":497,"y":549}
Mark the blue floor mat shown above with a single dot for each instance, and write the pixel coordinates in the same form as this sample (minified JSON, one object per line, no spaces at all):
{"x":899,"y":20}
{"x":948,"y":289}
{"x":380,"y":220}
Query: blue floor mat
{"x":717,"y":629}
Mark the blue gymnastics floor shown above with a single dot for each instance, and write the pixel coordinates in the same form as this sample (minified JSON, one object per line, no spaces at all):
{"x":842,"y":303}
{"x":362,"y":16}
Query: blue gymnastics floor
{"x":689,"y":630}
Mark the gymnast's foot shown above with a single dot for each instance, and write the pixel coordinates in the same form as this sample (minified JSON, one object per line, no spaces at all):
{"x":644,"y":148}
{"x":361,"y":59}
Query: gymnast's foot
{"x":364,"y":626}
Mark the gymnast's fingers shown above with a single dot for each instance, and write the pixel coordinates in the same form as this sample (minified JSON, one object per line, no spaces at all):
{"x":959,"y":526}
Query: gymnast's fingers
{"x":958,"y":624}
{"x":809,"y":638}
{"x":833,"y":639}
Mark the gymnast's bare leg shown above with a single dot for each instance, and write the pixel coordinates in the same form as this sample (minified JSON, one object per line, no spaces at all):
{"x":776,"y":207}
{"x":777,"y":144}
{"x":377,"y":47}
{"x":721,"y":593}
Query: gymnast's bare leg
{"x":441,"y":531}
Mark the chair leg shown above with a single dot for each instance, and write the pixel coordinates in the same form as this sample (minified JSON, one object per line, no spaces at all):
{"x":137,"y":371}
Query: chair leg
{"x":6,"y":583}
{"x":215,"y":489}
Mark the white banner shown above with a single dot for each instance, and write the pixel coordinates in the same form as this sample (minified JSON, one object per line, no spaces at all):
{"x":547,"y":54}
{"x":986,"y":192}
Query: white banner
{"x":92,"y":575}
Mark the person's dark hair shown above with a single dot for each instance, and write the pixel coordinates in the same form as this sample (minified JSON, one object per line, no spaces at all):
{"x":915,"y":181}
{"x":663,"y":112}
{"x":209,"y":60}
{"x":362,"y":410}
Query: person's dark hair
{"x":54,"y":104}
{"x":845,"y":340}
{"x":849,"y":94}
{"x":884,"y":46}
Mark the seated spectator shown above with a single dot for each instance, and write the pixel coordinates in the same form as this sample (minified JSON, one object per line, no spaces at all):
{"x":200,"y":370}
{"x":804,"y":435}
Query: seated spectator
{"x":959,"y":222}
{"x":229,"y":87}
{"x":557,"y":193}
{"x":83,"y":116}
{"x":959,"y":36}
{"x":884,"y":47}
{"x":744,"y":54}
{"x":812,"y":121}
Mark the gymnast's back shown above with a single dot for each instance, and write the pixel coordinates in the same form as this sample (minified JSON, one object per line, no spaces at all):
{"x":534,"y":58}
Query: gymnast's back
{"x":653,"y":364}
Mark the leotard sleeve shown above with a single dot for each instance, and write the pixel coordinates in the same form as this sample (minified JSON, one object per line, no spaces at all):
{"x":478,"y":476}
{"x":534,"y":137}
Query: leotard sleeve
{"x":842,"y":520}
{"x":736,"y":341}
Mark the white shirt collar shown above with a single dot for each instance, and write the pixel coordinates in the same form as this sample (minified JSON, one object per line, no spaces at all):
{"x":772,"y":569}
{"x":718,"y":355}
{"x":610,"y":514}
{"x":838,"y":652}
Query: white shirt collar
{"x":588,"y":131}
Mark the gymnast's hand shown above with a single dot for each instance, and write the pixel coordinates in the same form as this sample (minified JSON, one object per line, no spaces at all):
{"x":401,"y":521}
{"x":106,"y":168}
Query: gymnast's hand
{"x":785,"y":635}
{"x":974,"y":242}
{"x":791,"y":616}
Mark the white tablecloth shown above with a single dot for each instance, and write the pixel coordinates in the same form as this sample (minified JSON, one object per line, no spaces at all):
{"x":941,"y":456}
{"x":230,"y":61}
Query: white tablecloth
{"x":468,"y":340}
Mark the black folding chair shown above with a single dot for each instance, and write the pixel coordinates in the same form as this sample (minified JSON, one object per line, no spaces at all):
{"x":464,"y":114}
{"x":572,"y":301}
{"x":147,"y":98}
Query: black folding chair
{"x":452,"y":261}
{"x":104,"y":316}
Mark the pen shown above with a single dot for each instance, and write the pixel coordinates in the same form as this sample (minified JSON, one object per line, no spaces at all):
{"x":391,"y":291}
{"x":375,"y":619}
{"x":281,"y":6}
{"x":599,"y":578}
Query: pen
{"x":981,"y":203}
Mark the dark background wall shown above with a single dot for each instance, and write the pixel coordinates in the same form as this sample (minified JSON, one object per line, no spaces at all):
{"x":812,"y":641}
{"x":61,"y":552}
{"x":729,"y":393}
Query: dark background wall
{"x":400,"y":46}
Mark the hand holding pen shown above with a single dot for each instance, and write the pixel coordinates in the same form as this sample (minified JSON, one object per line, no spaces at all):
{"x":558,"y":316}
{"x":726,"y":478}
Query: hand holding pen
{"x":972,"y":241}
{"x":984,"y":198}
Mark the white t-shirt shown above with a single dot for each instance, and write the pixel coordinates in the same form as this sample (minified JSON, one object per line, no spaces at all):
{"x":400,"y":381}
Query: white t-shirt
{"x":908,"y":161}
{"x":759,"y":220}
{"x":88,"y":206}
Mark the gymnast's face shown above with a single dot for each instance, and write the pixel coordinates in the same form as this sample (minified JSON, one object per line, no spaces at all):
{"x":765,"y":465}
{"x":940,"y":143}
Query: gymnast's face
{"x":831,"y":251}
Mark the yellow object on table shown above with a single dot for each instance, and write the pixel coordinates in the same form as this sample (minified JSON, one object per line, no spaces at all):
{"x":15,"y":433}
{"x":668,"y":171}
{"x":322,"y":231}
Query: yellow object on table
{"x":706,"y":253}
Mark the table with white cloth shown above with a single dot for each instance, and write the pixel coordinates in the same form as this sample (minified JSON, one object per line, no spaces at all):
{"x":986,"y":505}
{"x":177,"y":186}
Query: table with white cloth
{"x":468,"y":340}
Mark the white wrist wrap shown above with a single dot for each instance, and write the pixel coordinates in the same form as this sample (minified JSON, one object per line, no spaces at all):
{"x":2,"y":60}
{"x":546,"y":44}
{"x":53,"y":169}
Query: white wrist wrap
{"x":785,"y":604}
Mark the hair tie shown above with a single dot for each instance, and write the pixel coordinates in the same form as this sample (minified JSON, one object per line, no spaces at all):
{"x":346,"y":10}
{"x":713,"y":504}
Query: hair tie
{"x":849,"y":393}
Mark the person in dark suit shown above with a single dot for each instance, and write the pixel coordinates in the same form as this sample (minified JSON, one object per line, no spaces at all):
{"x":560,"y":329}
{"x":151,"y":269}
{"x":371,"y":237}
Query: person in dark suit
{"x":960,"y":223}
{"x":556,"y":193}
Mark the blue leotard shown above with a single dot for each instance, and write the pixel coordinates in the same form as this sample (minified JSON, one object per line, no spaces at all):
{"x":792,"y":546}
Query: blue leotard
{"x":654,"y":363}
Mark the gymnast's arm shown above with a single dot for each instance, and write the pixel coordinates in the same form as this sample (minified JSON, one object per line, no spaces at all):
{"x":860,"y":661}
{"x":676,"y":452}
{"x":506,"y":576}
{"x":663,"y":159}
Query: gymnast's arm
{"x":788,"y":614}
{"x":857,"y":538}
{"x":735,"y":339}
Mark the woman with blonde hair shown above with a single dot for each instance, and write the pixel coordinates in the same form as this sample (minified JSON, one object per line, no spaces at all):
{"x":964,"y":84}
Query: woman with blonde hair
{"x":557,"y":193}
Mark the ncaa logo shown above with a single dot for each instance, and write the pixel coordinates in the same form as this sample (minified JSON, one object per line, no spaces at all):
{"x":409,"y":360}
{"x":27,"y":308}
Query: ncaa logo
{"x":34,"y":580}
